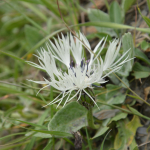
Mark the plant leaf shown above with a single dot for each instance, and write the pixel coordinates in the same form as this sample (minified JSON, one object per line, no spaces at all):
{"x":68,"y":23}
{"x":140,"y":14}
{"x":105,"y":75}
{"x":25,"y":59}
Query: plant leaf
{"x":140,"y":71}
{"x":145,"y":45}
{"x":29,"y":123}
{"x":49,"y":144}
{"x":126,"y":133}
{"x":140,"y":55}
{"x":126,"y":4}
{"x":100,"y":131}
{"x":100,"y":16}
{"x":69,"y":119}
{"x":146,"y":19}
{"x":104,"y":141}
{"x":115,"y":13}
{"x":32,"y":35}
{"x":127,"y":42}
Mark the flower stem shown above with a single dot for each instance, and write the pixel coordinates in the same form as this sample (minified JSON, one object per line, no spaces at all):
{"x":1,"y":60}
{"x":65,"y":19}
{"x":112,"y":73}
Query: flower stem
{"x":90,"y":119}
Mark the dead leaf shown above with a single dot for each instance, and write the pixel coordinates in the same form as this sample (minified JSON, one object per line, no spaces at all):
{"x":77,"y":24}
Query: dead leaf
{"x":148,"y":50}
{"x":104,"y":114}
{"x":78,"y":140}
{"x":99,"y":3}
{"x":146,"y":92}
{"x":90,"y":30}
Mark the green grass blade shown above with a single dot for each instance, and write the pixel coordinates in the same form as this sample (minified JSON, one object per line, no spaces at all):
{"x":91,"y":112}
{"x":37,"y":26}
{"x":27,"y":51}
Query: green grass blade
{"x":55,"y":133}
{"x":99,"y":24}
{"x":13,"y":56}
{"x":18,"y":140}
{"x":5,"y":137}
{"x":36,"y":11}
{"x":49,"y":145}
{"x":31,"y":144}
{"x":43,"y":41}
{"x":29,"y":123}
{"x":102,"y":146}
{"x":49,"y":5}
{"x":113,"y":25}
{"x":14,"y":145}
{"x":88,"y":139}
{"x":26,"y":17}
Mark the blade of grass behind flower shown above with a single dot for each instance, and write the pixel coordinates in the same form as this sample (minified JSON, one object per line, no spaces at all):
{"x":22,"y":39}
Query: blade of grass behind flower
{"x":148,"y":3}
{"x":14,"y":145}
{"x":114,"y":26}
{"x":26,"y":17}
{"x":146,"y":19}
{"x":35,"y":10}
{"x":55,"y":133}
{"x":40,"y":123}
{"x":88,"y":139}
{"x":49,"y":5}
{"x":42,"y":42}
{"x":49,"y":144}
{"x":29,"y":123}
{"x":30,"y":145}
{"x":14,"y":134}
{"x":18,"y":140}
{"x":13,"y":56}
{"x":100,"y":24}
{"x":102,"y":146}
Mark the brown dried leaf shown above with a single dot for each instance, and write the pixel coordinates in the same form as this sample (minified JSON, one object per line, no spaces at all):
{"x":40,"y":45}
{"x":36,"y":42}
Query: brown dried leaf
{"x":146,"y":92}
{"x":148,"y":50}
{"x":78,"y":140}
{"x":104,"y":114}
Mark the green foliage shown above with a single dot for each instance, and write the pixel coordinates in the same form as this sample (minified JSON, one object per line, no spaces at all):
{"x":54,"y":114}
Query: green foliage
{"x":148,"y":3}
{"x":113,"y":95}
{"x":32,"y":35}
{"x":67,"y":121}
{"x":100,"y":131}
{"x":115,"y":13}
{"x":126,"y":4}
{"x":49,"y":144}
{"x":126,"y":132}
{"x":103,"y":142}
{"x":25,"y":26}
{"x":145,"y":45}
{"x":140,"y":55}
{"x":127,"y":42}
{"x":146,"y":19}
{"x":100,"y":16}
{"x":33,"y":1}
{"x":140,"y":71}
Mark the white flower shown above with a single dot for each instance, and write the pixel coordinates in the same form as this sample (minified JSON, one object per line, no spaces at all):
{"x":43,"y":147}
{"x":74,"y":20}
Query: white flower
{"x":80,"y":74}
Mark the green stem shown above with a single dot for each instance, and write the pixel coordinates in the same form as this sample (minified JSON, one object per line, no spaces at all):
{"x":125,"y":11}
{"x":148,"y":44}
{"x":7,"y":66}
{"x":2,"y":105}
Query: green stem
{"x":90,"y":119}
{"x":88,"y":139}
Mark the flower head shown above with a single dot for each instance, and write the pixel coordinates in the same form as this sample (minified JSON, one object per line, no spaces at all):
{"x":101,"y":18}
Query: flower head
{"x":80,"y":73}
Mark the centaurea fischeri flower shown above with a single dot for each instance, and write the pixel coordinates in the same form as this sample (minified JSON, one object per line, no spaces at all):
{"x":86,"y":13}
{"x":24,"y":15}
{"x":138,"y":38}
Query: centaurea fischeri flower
{"x":80,"y":73}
